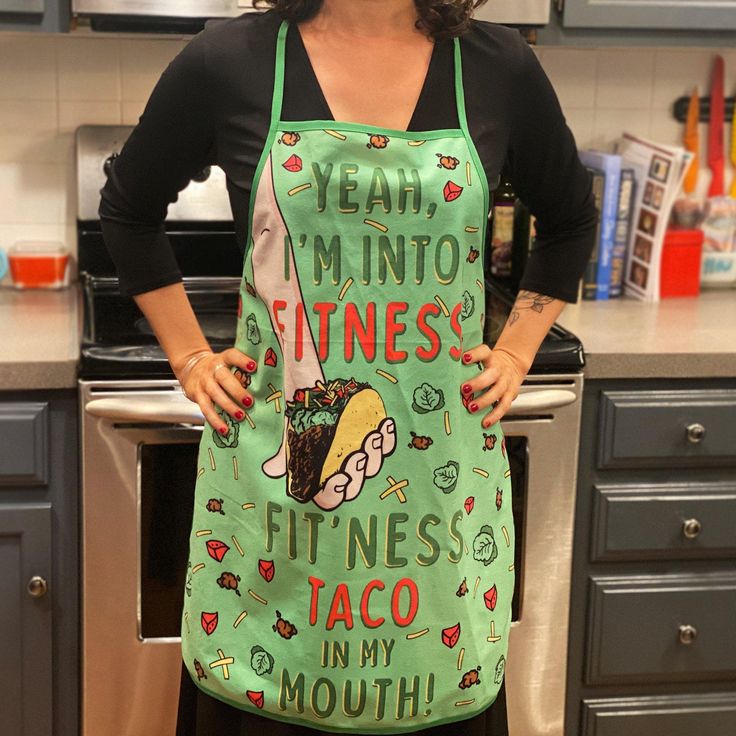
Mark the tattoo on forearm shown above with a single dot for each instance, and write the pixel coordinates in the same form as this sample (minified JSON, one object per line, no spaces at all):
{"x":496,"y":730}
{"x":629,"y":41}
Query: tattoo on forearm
{"x":528,"y":300}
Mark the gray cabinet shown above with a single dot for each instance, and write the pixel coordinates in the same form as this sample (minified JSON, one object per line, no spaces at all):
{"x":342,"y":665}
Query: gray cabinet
{"x":39,"y":579}
{"x":654,"y":14}
{"x":653,"y":599}
{"x":25,"y":618}
{"x":34,"y":15}
{"x":682,"y":715}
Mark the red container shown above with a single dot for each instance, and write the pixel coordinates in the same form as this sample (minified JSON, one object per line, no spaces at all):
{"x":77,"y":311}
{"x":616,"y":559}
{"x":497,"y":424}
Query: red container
{"x":679,"y":272}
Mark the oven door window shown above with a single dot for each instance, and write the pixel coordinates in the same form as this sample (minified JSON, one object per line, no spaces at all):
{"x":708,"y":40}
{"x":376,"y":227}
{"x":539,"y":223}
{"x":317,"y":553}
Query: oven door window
{"x":167,"y":477}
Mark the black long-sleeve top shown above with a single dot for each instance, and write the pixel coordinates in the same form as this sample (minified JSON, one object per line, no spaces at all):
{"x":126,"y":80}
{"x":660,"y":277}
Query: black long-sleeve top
{"x":212,"y":104}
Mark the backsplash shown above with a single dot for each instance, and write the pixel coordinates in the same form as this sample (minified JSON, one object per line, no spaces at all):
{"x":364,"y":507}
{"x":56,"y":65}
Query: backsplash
{"x":51,"y":83}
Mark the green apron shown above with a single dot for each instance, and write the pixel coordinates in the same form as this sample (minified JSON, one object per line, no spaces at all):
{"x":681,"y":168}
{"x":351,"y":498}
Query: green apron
{"x":351,"y":561}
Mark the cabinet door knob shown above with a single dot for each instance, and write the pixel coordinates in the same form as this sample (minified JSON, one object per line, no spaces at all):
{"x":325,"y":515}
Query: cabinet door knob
{"x":37,"y":586}
{"x":691,"y":528}
{"x":687,"y":633}
{"x":695,"y":432}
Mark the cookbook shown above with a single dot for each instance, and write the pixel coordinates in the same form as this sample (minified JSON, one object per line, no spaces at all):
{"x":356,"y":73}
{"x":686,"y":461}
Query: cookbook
{"x":659,"y":170}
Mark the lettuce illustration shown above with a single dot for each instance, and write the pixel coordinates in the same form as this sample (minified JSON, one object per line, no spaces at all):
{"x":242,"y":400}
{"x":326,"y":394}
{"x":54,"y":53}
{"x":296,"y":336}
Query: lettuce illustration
{"x":260,"y":660}
{"x":445,"y":478}
{"x":468,"y":305}
{"x":484,"y":546}
{"x":500,"y":669}
{"x":303,"y":418}
{"x":251,"y":329}
{"x":231,"y":438}
{"x":427,"y":398}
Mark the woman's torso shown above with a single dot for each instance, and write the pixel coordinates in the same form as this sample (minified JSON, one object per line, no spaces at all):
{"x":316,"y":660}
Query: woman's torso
{"x":352,"y":540}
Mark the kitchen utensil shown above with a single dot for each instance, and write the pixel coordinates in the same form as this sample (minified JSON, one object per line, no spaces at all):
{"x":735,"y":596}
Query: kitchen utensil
{"x":719,"y":223}
{"x":715,"y":129}
{"x":692,"y":142}
{"x":687,"y":212}
{"x":733,"y":153}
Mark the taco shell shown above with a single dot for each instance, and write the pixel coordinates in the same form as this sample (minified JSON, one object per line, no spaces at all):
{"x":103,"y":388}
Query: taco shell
{"x":361,"y":415}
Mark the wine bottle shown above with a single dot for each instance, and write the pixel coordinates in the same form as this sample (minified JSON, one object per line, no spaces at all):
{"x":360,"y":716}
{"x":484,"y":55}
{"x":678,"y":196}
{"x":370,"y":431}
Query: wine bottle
{"x":502,"y":228}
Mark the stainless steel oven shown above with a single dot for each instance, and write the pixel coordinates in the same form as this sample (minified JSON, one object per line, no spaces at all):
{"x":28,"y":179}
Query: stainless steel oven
{"x":140,"y":440}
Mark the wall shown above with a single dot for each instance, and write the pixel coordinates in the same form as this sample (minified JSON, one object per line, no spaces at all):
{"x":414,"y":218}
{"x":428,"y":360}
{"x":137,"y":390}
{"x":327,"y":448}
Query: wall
{"x":51,"y":83}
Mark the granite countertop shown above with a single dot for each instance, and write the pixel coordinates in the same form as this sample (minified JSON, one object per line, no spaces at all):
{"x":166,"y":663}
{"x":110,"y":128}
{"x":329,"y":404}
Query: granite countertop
{"x":686,"y":337}
{"x":40,"y":332}
{"x":677,"y":337}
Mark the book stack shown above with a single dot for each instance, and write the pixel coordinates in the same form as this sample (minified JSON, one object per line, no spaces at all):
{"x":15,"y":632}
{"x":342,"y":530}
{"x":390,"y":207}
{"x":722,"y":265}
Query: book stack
{"x":614,"y":187}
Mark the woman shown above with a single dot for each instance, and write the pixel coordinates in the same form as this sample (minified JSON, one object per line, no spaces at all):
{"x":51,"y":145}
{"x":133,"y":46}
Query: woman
{"x":352,"y":540}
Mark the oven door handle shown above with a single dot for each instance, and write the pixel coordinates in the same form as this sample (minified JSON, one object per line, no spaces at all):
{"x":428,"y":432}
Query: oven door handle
{"x":170,"y":409}
{"x":530,"y":402}
{"x":177,"y":409}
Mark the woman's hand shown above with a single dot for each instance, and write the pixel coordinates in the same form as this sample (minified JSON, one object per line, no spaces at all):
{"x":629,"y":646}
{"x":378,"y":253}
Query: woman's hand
{"x":205,"y":378}
{"x":503,"y":370}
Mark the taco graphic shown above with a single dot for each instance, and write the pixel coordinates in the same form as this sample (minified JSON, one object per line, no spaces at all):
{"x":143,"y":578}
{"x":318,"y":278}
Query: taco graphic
{"x":327,"y":422}
{"x":336,"y":431}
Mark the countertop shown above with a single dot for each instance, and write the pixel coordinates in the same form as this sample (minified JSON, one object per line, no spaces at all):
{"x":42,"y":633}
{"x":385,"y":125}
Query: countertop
{"x":40,"y":334}
{"x":686,"y":337}
{"x":677,"y":337}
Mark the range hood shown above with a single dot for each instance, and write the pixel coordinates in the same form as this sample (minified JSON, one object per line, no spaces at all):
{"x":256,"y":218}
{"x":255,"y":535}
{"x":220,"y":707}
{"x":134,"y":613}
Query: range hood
{"x":189,"y":16}
{"x":156,"y":16}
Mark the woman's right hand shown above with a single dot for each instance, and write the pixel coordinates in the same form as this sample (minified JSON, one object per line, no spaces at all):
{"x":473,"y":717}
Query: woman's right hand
{"x":206,"y":379}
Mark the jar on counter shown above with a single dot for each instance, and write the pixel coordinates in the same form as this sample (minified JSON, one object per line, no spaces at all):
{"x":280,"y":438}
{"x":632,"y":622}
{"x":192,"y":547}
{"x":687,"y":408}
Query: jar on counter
{"x":38,"y":264}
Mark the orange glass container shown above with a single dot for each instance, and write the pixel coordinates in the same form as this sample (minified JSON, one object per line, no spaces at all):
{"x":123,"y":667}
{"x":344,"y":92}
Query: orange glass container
{"x":38,"y":264}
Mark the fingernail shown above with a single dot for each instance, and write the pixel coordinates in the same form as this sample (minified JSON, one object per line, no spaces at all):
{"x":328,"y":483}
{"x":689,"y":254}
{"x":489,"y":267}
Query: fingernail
{"x":223,"y":430}
{"x":473,"y":406}
{"x":251,"y":365}
{"x":239,"y":414}
{"x":466,"y":358}
{"x":247,"y":400}
{"x":466,"y":388}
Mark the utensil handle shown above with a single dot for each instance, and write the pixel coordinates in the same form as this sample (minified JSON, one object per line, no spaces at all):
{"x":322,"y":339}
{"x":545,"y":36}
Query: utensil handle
{"x":716,"y":181}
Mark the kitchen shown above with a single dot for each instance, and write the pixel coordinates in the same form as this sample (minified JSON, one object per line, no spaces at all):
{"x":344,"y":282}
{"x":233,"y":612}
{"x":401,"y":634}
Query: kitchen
{"x":628,"y":530}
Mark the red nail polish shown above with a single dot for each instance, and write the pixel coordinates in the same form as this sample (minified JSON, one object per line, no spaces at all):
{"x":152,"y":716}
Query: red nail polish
{"x":239,"y":414}
{"x":466,"y":357}
{"x":223,"y":430}
{"x":473,"y":406}
{"x":247,"y":400}
{"x":251,"y":365}
{"x":466,"y":388}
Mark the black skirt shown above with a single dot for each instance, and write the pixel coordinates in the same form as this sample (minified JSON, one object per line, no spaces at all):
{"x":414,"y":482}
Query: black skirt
{"x":202,"y":715}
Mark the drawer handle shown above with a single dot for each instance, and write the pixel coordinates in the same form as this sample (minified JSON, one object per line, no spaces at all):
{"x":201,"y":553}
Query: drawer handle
{"x":687,"y":633}
{"x":695,"y":432}
{"x":691,"y":528}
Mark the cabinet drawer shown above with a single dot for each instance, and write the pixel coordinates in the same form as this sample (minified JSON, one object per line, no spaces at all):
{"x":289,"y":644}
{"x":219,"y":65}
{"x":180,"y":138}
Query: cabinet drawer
{"x":24,"y":431}
{"x":638,"y":628}
{"x":707,"y":714}
{"x":667,"y":428}
{"x":655,"y":520}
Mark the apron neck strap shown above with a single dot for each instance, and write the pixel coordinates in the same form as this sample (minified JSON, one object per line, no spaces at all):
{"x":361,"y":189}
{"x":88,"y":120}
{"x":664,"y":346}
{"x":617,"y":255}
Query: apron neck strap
{"x":459,"y":91}
{"x":278,"y":85}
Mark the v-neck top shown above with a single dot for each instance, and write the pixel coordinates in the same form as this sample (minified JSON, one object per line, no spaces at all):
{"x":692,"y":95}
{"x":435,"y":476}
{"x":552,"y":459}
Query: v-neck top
{"x":327,"y":112}
{"x":212,"y":103}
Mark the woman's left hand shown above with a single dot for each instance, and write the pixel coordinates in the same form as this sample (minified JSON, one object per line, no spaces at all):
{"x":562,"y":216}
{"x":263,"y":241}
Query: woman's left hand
{"x":503,"y":371}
